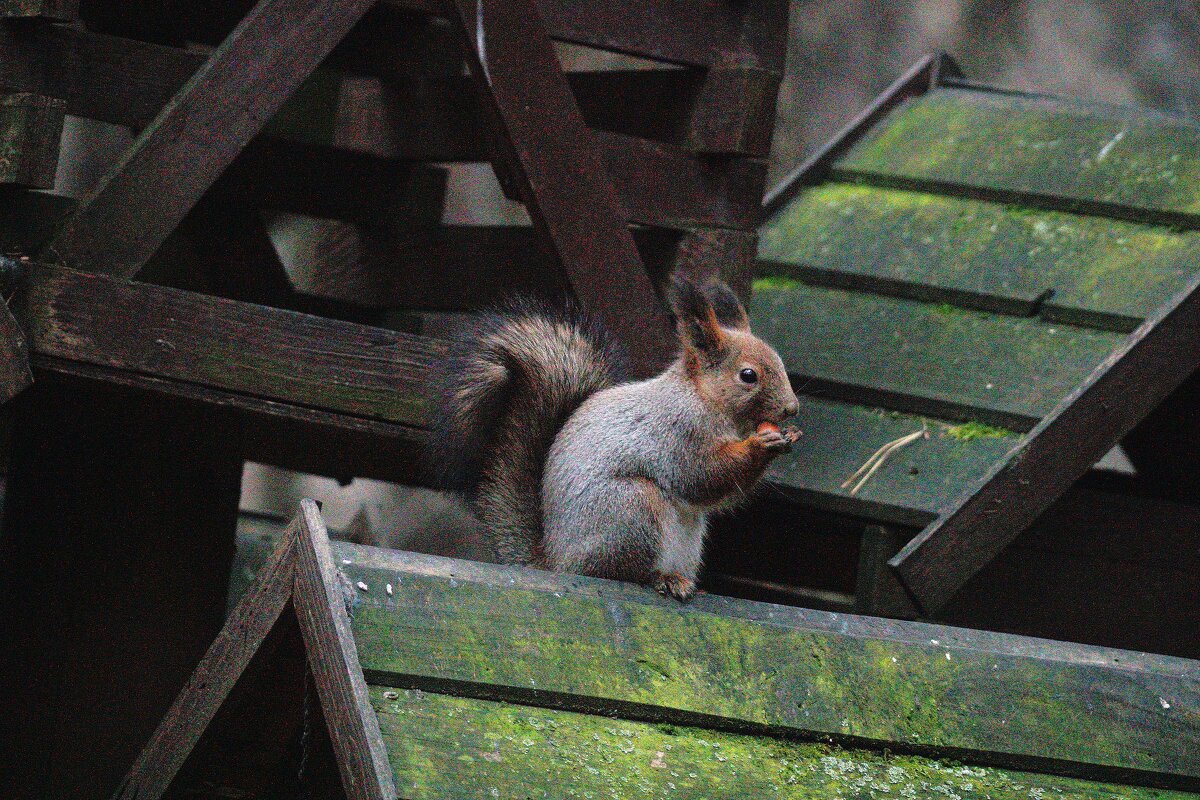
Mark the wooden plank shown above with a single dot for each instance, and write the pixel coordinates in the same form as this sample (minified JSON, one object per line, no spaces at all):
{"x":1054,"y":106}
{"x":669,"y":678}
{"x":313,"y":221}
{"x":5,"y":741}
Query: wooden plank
{"x":320,"y":604}
{"x":924,"y":358}
{"x":1131,"y":381}
{"x":588,"y":645}
{"x":1088,"y":270}
{"x":248,"y":625}
{"x":196,"y":136}
{"x":1128,"y":163}
{"x":910,"y":488}
{"x":259,"y":352}
{"x":562,"y":178}
{"x":58,"y":10}
{"x":30,"y":130}
{"x":127,"y":82}
{"x":450,"y":747}
{"x":341,"y":446}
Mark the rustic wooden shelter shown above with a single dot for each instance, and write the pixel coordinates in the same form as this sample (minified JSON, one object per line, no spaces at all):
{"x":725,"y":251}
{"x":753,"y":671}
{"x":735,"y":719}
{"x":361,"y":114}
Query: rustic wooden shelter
{"x":381,"y":665}
{"x":168,"y":345}
{"x":1015,"y":276}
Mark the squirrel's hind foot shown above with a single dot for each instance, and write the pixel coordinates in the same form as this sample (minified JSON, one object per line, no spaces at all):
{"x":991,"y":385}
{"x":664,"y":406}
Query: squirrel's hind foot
{"x":672,"y":584}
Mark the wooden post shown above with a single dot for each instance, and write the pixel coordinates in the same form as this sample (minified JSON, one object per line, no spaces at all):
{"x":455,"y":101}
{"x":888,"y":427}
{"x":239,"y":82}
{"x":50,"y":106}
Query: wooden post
{"x":118,"y":538}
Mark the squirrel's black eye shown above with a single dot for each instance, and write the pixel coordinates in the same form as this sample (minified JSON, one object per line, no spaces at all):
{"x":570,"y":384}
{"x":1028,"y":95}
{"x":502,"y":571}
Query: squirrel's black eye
{"x":748,"y":376}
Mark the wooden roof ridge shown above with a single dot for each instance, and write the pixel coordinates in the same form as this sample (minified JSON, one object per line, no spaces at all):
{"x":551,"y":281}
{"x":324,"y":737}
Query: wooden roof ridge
{"x":300,"y":579}
{"x":1123,"y":388}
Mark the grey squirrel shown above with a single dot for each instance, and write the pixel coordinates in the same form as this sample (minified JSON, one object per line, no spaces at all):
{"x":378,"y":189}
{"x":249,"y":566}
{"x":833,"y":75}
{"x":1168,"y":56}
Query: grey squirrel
{"x":572,"y":470}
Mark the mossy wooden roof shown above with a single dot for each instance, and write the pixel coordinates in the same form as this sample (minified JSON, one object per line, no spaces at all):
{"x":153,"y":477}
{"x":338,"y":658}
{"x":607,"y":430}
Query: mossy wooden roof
{"x":978,"y":262}
{"x":444,"y":678}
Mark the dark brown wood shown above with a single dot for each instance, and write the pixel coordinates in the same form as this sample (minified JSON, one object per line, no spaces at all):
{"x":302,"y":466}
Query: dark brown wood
{"x":563,"y":180}
{"x":252,"y":351}
{"x":321,"y":599}
{"x":877,"y":590}
{"x":735,"y":112}
{"x":1133,"y":380}
{"x":919,"y":78}
{"x":718,"y":253}
{"x":196,"y":136}
{"x":118,"y":539}
{"x":244,"y":633}
{"x":30,"y":129}
{"x":57,"y":10}
{"x":1164,"y":444}
{"x":14,"y":355}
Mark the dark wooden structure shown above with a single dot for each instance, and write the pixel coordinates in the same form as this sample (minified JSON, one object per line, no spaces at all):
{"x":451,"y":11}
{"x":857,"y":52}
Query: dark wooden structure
{"x":1016,"y":277}
{"x":168,"y":343}
{"x":576,"y":686}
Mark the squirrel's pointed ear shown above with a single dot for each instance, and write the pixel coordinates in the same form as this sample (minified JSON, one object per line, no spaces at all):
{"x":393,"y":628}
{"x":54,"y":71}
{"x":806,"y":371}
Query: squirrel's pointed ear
{"x":699,"y":325}
{"x":726,"y":306}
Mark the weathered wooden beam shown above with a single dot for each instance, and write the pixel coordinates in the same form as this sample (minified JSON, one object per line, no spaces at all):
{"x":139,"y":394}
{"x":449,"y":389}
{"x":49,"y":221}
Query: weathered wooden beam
{"x":601,"y":647}
{"x":256,"y":352}
{"x":561,"y":173}
{"x":1151,"y":363}
{"x":30,"y":131}
{"x":197,"y":135}
{"x":321,"y":603}
{"x":14,"y":352}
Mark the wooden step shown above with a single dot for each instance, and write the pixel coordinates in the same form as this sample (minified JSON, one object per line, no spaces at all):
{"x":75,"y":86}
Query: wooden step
{"x":1088,"y":270}
{"x":910,"y":487}
{"x":1125,"y":162}
{"x":924,"y":358}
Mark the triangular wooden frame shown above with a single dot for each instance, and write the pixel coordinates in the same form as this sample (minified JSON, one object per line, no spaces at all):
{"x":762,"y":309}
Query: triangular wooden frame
{"x":301,"y":579}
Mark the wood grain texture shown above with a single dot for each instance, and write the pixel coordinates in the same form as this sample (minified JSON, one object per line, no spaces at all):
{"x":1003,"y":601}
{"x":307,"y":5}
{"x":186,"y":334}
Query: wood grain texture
{"x":30,"y":130}
{"x":1087,"y":270}
{"x":320,"y":604}
{"x":1151,"y":363}
{"x":1122,"y":162}
{"x":15,"y":376}
{"x":196,"y":136}
{"x":735,"y":112}
{"x":261,"y":353}
{"x":449,"y":747}
{"x":925,"y":358}
{"x":247,"y":627}
{"x":596,"y":646}
{"x":561,"y":174}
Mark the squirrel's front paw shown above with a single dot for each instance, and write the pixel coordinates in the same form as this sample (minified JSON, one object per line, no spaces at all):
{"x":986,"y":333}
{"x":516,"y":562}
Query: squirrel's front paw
{"x":776,"y":442}
{"x":672,"y":584}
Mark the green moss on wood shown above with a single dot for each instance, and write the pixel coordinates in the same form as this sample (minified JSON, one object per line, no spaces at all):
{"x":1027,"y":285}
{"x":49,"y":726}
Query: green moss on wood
{"x":973,"y":431}
{"x":447,"y":747}
{"x":1141,"y":160}
{"x":601,"y":648}
{"x":998,"y":369}
{"x":1106,"y":272}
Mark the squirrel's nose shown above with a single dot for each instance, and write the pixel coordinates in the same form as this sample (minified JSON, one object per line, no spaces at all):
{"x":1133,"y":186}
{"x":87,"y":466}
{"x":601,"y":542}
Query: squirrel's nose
{"x":792,"y":408}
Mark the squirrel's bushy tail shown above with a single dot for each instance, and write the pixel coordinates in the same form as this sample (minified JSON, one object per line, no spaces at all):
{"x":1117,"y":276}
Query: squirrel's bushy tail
{"x":516,"y":377}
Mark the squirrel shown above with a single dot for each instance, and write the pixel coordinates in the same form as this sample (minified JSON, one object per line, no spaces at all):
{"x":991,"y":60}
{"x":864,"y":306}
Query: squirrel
{"x":571,"y":469}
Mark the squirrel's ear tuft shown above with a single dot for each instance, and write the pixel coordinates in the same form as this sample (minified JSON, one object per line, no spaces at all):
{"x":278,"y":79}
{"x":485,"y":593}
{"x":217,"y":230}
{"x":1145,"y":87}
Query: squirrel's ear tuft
{"x":726,"y":306}
{"x":699,"y":326}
